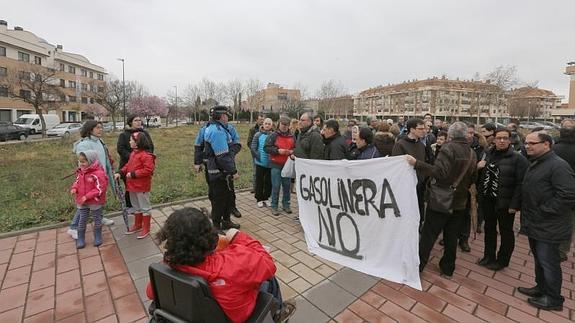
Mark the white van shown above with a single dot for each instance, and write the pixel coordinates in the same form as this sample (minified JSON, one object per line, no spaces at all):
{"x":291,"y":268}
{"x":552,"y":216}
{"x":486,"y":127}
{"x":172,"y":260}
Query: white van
{"x":153,"y":122}
{"x":32,"y":121}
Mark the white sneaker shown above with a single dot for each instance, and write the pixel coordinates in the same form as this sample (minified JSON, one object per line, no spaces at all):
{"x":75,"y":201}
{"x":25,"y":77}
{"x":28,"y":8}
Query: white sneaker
{"x":106,"y":221}
{"x":73,"y":233}
{"x":261,"y":204}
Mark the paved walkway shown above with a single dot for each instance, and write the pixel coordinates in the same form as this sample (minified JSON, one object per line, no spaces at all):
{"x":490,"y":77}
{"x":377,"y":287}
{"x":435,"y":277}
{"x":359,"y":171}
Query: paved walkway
{"x":44,"y":278}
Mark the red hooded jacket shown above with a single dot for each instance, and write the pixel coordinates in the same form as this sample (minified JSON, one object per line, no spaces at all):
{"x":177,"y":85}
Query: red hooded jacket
{"x":234,"y":275}
{"x":92,"y":183}
{"x":141,"y":167}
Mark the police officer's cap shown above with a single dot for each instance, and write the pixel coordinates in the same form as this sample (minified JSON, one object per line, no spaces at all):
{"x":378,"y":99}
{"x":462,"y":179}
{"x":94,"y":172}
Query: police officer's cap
{"x":218,"y":110}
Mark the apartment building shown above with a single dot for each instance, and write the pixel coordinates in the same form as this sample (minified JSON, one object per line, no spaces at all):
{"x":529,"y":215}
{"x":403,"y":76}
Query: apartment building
{"x":81,"y":82}
{"x":444,"y":98}
{"x":533,"y":103}
{"x":273,"y":98}
{"x":338,"y":107}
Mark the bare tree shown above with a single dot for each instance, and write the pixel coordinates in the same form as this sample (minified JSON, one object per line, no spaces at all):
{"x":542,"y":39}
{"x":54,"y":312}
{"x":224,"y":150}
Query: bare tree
{"x":35,"y":85}
{"x":234,"y":89}
{"x":252,"y":86}
{"x":110,"y":96}
{"x":328,"y":92}
{"x":190,"y":98}
{"x":303,"y":90}
{"x":503,"y":76}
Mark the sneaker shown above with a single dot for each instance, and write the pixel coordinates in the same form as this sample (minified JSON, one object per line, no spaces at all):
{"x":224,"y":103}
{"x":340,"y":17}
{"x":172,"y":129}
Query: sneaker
{"x":73,"y":233}
{"x":287,"y":210}
{"x":275,"y":211}
{"x":229,"y":225}
{"x":106,"y":221}
{"x":296,"y":219}
{"x":287,"y":311}
{"x":261,"y":204}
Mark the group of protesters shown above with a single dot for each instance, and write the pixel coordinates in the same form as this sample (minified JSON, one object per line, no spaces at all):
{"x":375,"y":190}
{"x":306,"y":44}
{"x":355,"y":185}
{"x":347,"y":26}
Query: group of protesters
{"x":495,"y":173}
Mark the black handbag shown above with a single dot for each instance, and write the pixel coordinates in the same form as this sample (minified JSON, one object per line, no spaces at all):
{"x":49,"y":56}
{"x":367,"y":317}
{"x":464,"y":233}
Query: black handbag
{"x":440,"y":197}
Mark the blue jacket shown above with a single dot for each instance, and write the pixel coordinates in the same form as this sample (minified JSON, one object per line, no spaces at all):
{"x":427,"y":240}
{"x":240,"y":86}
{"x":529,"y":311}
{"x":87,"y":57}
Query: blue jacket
{"x":260,"y":156}
{"x":216,"y":146}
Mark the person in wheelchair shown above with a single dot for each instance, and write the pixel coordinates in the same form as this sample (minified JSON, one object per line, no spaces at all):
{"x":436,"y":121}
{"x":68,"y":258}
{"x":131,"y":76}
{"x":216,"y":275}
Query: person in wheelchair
{"x":235,"y":265}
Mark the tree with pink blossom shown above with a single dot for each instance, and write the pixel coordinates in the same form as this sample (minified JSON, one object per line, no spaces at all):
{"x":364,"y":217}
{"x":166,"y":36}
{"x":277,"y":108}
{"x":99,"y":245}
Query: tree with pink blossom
{"x":95,"y":111}
{"x":148,"y":107}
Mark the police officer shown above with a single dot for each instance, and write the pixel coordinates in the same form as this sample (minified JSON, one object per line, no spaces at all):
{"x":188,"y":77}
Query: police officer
{"x":215,"y":149}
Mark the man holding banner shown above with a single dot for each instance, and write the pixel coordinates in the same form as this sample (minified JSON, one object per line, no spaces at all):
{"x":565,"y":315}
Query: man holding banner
{"x":451,"y":176}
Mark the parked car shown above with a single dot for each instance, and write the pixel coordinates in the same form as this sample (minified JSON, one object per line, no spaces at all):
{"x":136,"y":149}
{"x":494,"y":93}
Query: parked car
{"x":550,"y":124}
{"x":32,"y":121}
{"x":120,"y":125}
{"x":64,"y":130}
{"x":108,"y":126}
{"x":529,"y":125}
{"x":8,"y":132}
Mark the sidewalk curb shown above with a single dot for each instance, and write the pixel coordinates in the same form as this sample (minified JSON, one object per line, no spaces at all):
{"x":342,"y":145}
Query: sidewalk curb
{"x":108,"y":215}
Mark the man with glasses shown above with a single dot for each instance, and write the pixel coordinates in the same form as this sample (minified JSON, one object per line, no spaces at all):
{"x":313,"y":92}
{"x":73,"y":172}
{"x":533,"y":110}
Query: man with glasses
{"x":547,"y":199}
{"x":499,"y":185}
{"x":411,"y":145}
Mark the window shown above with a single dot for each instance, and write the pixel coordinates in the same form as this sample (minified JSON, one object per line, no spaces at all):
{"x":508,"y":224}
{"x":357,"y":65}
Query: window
{"x":37,"y":60}
{"x":72,"y":84}
{"x":84,"y":72}
{"x":63,"y":98}
{"x":24,"y":75}
{"x":25,"y":94}
{"x":100,"y":89}
{"x":92,"y":100}
{"x":3,"y":91}
{"x":71,"y":69}
{"x":62,"y":67}
{"x":3,"y":71}
{"x":24,"y":57}
{"x":2,"y":51}
{"x":62,"y":83}
{"x":72,"y":98}
{"x":84,"y":86}
{"x":100,"y":77}
{"x":91,"y":74}
{"x":85,"y":100}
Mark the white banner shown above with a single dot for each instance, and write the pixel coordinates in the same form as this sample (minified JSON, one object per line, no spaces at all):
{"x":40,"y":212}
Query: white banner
{"x":362,"y":214}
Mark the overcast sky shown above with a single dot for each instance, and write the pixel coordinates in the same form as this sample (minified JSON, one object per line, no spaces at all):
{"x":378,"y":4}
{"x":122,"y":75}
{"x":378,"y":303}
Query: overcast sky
{"x":360,"y":43}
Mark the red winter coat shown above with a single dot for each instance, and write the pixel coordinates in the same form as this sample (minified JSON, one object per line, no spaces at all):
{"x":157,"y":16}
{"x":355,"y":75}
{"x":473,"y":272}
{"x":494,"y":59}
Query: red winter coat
{"x":92,"y":183}
{"x":141,"y":167}
{"x":234,"y":275}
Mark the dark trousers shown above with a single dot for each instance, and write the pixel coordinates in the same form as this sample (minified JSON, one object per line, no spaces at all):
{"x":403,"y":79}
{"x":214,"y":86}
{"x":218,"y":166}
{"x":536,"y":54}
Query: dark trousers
{"x":221,"y":195}
{"x":548,"y":274}
{"x":493,"y":217}
{"x":465,"y":227}
{"x":420,"y":190}
{"x":436,"y":222}
{"x":263,"y":183}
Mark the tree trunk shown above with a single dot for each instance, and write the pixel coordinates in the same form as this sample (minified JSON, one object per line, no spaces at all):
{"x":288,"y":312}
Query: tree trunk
{"x":42,"y":121}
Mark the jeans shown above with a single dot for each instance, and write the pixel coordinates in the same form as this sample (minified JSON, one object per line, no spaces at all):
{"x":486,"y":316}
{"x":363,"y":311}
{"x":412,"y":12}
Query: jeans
{"x":280,"y":182}
{"x":548,"y":275}
{"x":434,"y":223}
{"x":505,"y":221}
{"x":272,"y":286}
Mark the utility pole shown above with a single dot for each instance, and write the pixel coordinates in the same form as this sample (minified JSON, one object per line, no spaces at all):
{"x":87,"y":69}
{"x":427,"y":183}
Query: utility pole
{"x":123,"y":88}
{"x":176,"y":107}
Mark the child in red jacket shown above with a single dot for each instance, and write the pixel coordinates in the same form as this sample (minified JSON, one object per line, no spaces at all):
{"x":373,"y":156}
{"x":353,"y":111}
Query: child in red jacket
{"x":90,"y":191}
{"x":138,"y":174}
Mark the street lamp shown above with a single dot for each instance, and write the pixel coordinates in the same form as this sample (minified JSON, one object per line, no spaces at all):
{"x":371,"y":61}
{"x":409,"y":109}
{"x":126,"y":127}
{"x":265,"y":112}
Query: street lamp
{"x":123,"y":89}
{"x":176,"y":108}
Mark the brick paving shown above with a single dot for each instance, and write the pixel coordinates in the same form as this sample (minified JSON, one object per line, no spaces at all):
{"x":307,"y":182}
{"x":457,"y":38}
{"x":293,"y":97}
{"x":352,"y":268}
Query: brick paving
{"x":45,"y":278}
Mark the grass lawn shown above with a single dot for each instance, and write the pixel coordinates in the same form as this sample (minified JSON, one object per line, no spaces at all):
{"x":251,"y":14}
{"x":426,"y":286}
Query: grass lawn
{"x":33,"y":190}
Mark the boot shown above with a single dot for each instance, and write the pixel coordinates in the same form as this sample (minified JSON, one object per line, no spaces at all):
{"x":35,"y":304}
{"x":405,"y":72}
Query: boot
{"x":137,"y":226}
{"x":228,"y":224}
{"x":81,"y":241}
{"x":145,"y":226}
{"x":97,"y":236}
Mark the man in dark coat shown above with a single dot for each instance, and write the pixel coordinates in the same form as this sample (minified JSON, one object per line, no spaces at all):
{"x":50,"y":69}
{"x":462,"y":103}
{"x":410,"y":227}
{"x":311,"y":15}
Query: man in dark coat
{"x":547,"y":200}
{"x":456,"y":161}
{"x":253,"y":130}
{"x":309,"y":143}
{"x":411,"y":145}
{"x":499,"y":186}
{"x":565,"y":148}
{"x":335,"y":146}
